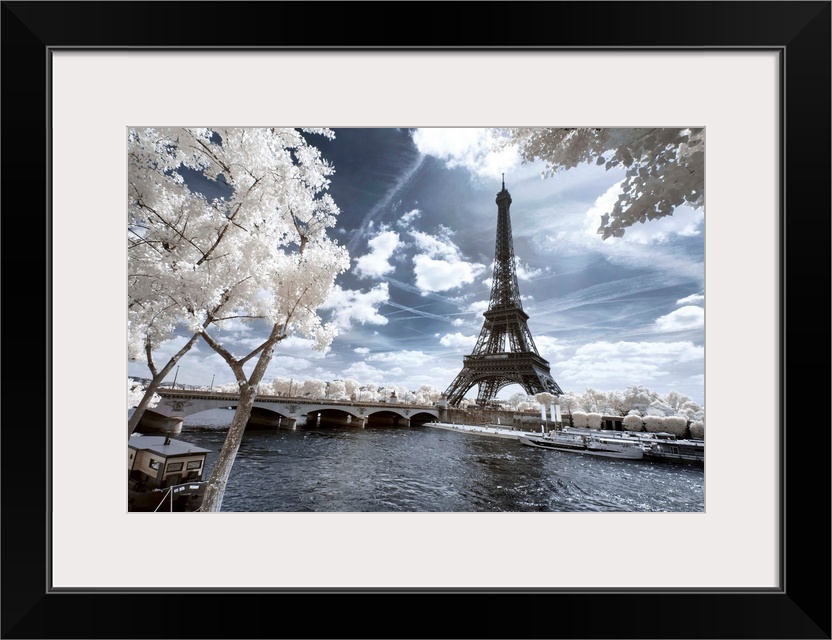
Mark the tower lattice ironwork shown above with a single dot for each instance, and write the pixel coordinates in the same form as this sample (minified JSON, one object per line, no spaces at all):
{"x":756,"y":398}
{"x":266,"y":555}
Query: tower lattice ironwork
{"x":505,"y":352}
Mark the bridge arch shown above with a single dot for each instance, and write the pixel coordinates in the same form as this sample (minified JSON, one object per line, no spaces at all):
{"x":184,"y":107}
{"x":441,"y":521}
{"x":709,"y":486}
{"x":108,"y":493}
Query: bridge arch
{"x":278,"y":411}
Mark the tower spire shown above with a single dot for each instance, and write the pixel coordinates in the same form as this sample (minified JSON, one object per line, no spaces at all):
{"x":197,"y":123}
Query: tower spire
{"x":505,"y":352}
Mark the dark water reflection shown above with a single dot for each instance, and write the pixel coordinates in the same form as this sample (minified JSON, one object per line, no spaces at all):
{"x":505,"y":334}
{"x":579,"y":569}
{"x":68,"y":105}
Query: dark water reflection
{"x":422,"y":469}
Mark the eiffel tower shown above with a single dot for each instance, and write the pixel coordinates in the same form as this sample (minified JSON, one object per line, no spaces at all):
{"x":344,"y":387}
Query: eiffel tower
{"x":505,"y":352}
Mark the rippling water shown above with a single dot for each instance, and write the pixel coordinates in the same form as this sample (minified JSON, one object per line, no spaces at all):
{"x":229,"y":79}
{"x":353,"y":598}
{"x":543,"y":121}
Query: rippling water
{"x":423,"y":469}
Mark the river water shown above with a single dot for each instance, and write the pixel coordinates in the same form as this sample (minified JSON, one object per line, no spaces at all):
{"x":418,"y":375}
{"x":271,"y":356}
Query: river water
{"x":424,"y":469}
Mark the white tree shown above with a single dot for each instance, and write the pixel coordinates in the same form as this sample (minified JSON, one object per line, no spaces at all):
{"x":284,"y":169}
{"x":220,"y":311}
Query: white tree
{"x":638,"y":398}
{"x":663,"y":167}
{"x":654,"y":424}
{"x":336,"y":390}
{"x":579,"y":419}
{"x":284,"y":386}
{"x":352,"y":387}
{"x":633,"y":423}
{"x":676,"y":425}
{"x":697,"y":429}
{"x":594,"y":400}
{"x":136,"y":393}
{"x":691,"y":411}
{"x":545,"y":398}
{"x":369,"y":392}
{"x":593,"y":420}
{"x":659,"y":408}
{"x":675,"y":401}
{"x":231,"y":224}
{"x":428,"y":394}
{"x":569,"y":402}
{"x":616,"y":404}
{"x":313,"y":388}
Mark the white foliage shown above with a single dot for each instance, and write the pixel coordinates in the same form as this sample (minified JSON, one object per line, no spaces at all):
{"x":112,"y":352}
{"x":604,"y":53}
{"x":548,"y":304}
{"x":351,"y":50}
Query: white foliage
{"x":633,"y":423}
{"x":545,"y":398}
{"x":579,"y":419}
{"x":284,"y":386}
{"x":697,"y":429}
{"x":691,"y":411}
{"x":313,"y":388}
{"x":659,"y":408}
{"x":593,"y":420}
{"x":663,"y":168}
{"x":654,"y":424}
{"x":569,"y":402}
{"x":336,"y":389}
{"x":256,"y":247}
{"x":427,"y":394}
{"x":676,"y":425}
{"x":135,"y":393}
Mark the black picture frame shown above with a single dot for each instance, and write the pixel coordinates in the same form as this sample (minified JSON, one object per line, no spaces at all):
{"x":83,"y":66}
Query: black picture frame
{"x":800,"y":608}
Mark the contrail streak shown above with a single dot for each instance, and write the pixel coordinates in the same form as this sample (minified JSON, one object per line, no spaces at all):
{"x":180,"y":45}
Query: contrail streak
{"x":385,"y":201}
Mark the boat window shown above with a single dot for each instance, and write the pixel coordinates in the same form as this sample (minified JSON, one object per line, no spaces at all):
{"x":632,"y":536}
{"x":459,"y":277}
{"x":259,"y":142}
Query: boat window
{"x":153,"y":464}
{"x":174,"y":466}
{"x":195,"y":464}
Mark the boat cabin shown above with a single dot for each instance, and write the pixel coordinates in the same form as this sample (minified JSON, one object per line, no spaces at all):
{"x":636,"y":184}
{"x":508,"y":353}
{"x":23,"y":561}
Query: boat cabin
{"x":157,"y":462}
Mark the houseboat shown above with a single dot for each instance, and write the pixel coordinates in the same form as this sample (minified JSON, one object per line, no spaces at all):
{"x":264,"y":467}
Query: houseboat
{"x":589,"y":445}
{"x":685,"y":451}
{"x":661,"y":446}
{"x":164,"y":474}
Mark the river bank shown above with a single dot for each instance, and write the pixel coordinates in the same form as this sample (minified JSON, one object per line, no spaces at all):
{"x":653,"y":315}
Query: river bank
{"x":495,"y":431}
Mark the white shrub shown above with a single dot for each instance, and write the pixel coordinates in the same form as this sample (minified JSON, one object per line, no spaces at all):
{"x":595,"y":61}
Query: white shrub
{"x":593,"y":420}
{"x":697,"y":429}
{"x":579,"y":419}
{"x":633,"y":422}
{"x":654,"y":424}
{"x":676,"y":425}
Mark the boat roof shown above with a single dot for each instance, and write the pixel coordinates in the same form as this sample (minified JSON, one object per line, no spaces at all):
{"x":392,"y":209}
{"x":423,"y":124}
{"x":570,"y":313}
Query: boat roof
{"x":156,"y":444}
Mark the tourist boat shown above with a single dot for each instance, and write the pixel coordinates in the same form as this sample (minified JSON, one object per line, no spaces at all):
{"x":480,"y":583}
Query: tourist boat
{"x":588,"y":445}
{"x":685,"y":451}
{"x":663,"y":447}
{"x":164,"y":474}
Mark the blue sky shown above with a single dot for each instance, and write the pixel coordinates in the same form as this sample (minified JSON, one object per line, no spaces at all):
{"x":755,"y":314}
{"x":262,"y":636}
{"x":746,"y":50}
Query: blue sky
{"x":418,"y":217}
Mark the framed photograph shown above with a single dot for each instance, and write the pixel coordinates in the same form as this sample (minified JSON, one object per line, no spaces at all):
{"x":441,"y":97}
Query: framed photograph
{"x":754,"y":75}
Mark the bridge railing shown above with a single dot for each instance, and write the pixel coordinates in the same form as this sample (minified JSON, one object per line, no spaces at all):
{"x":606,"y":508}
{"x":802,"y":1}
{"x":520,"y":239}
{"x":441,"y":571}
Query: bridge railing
{"x":191,"y":394}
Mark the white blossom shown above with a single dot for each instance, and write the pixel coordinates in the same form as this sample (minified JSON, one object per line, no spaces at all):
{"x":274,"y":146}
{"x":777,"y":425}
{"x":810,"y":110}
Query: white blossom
{"x":663,"y":168}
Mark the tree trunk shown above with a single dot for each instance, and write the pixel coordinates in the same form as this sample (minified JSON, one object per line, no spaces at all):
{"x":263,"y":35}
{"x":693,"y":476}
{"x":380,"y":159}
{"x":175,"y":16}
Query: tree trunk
{"x":215,"y":490}
{"x":133,"y":422}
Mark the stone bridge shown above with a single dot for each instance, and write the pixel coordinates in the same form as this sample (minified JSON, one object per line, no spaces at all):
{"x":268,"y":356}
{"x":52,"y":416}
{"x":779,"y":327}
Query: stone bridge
{"x":279,"y":412}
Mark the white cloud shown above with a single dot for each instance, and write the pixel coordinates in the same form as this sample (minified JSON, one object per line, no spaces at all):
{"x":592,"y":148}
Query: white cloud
{"x":403,"y":359}
{"x":440,"y":246}
{"x":377,"y":263}
{"x":682,"y":319}
{"x":548,"y":346}
{"x":469,"y":148}
{"x":525,"y":272}
{"x":361,"y":350}
{"x":478,"y":307}
{"x":365,"y":373}
{"x":290,"y":364}
{"x":601,"y":364}
{"x":440,"y":266}
{"x":405,"y":220}
{"x":440,"y":275}
{"x":349,"y":306}
{"x":458,"y":341}
{"x":458,"y":322}
{"x":696,"y":298}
